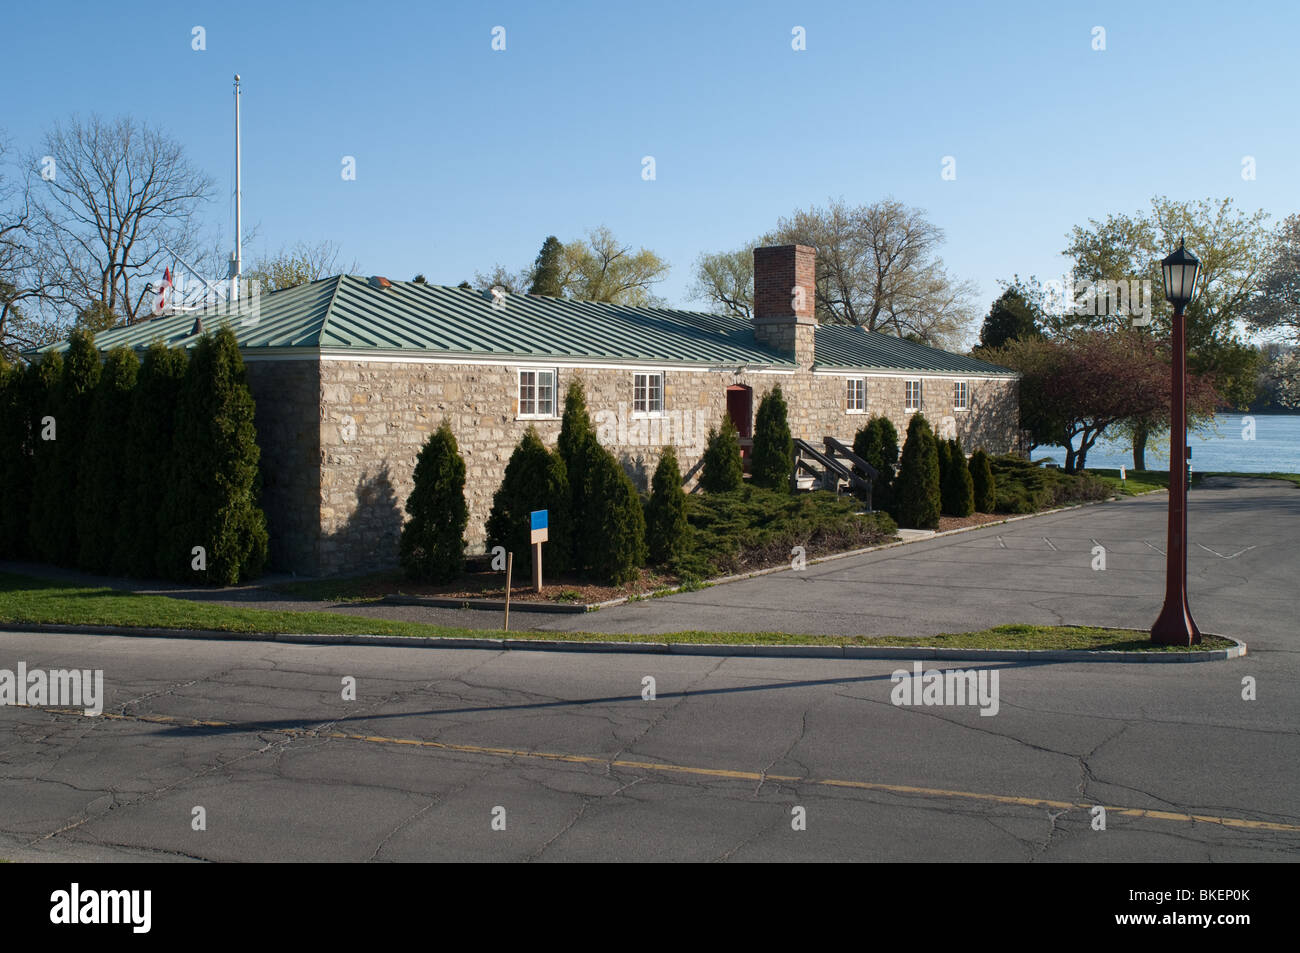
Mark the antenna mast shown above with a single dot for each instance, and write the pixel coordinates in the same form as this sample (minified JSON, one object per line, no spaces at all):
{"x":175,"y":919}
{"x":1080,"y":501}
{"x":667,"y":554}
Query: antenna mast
{"x":237,"y":260}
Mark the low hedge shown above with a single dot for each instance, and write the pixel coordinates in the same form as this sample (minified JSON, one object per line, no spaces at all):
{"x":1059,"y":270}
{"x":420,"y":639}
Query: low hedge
{"x":753,"y":528}
{"x":1026,"y":487}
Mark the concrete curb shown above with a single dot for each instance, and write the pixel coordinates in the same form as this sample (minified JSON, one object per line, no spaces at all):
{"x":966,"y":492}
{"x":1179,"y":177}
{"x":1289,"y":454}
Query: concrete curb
{"x":860,"y":652}
{"x":498,"y":605}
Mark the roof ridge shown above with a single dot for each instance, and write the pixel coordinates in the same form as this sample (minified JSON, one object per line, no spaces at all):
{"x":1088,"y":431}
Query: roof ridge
{"x":329,"y":309}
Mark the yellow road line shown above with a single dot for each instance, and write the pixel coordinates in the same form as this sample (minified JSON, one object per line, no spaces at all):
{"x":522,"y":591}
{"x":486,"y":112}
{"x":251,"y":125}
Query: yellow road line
{"x":723,"y":773}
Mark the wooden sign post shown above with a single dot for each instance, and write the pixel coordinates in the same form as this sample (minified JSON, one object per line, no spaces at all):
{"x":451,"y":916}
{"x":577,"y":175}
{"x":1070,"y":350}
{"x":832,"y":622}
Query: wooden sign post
{"x":539,"y":536}
{"x":510,"y":566}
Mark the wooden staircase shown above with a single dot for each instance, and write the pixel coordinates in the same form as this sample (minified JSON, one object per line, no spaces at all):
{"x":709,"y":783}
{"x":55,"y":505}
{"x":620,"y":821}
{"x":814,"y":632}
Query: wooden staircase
{"x":835,"y":468}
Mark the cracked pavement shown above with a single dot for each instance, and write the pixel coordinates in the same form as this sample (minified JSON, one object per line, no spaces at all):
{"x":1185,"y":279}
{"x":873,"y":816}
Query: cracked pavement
{"x":710,"y":770}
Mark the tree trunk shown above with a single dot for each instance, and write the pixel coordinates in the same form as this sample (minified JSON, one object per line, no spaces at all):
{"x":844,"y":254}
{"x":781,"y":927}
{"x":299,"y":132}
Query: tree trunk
{"x":1086,"y":440}
{"x":1069,"y":458}
{"x":1140,"y":435}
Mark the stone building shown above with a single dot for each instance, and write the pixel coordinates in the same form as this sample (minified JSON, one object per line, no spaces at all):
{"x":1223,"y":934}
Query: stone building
{"x":351,"y":374}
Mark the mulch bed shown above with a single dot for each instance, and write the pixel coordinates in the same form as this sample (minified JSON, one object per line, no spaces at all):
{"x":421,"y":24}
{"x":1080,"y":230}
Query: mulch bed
{"x":975,"y":519}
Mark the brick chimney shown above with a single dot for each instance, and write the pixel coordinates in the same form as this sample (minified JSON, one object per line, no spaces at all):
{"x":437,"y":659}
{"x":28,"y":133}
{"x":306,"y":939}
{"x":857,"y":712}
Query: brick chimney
{"x":784,"y":297}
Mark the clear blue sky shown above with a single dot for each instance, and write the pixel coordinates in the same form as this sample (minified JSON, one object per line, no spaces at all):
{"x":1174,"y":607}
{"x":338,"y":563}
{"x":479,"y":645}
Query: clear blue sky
{"x":466,"y":157}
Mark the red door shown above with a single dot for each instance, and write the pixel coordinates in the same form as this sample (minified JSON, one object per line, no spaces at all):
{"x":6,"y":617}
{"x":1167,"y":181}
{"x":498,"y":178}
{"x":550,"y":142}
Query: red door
{"x":740,"y":408}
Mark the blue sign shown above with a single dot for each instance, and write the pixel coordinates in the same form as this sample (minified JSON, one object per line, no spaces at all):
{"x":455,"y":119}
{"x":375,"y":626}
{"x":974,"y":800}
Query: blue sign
{"x":539,"y":519}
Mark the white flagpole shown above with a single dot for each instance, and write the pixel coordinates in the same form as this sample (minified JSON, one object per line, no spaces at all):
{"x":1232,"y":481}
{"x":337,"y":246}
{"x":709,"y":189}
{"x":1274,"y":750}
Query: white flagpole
{"x":238,"y":265}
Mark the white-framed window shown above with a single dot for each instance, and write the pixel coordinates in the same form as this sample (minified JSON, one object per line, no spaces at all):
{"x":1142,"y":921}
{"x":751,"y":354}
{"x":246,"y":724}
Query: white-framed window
{"x":913,"y":395}
{"x":855,"y":396}
{"x":960,"y":395}
{"x":647,"y":393}
{"x":536,"y":392}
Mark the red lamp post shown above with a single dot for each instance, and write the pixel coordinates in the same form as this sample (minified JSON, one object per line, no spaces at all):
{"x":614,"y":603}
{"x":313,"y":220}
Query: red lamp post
{"x":1175,"y":625}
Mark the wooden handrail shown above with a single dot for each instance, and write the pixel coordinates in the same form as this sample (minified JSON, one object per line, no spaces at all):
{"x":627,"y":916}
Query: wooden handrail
{"x":837,"y":449}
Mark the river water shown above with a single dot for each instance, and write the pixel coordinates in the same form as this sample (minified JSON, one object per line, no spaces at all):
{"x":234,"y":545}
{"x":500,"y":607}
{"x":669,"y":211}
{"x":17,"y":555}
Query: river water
{"x":1227,"y":443}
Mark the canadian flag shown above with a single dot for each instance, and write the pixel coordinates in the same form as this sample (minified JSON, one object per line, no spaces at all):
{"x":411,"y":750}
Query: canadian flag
{"x":160,"y":304}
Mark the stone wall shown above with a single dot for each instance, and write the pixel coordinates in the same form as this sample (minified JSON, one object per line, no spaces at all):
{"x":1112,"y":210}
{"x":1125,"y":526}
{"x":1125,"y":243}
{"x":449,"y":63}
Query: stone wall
{"x":375,"y":416}
{"x":287,"y":394}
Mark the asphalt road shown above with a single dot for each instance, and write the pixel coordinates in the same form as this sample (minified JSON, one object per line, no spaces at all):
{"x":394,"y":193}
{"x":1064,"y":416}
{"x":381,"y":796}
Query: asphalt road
{"x":585,"y":768}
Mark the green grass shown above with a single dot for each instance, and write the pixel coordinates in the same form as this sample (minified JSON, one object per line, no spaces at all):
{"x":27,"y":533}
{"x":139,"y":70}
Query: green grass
{"x":1142,"y":481}
{"x":27,"y":600}
{"x":1293,"y":478}
{"x":1139,"y":481}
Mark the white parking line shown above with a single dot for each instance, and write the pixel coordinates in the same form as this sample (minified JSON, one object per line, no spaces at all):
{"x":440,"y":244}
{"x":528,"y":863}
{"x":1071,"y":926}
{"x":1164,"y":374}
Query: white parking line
{"x":1221,"y":556}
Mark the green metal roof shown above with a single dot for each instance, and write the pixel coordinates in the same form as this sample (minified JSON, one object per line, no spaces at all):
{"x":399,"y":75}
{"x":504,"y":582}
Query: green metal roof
{"x":849,"y":346}
{"x":351,"y":313}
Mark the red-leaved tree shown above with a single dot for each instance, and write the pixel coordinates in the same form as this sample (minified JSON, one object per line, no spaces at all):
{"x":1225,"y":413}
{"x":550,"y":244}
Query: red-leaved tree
{"x":1072,"y":390}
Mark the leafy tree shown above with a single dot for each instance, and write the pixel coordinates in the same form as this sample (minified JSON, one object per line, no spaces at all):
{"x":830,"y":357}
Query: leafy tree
{"x":43,"y":382}
{"x":546,"y":269}
{"x":1013,"y":317}
{"x":433,"y":539}
{"x":102,"y":477}
{"x":620,"y":548}
{"x":722,"y":469}
{"x":918,"y":494}
{"x":57,"y":492}
{"x":773,"y":459}
{"x":1280,"y":385}
{"x":1232,"y":246}
{"x":602,"y":268}
{"x":984,"y":491}
{"x":1074,"y":390}
{"x":1275,"y":306}
{"x":535,"y":479}
{"x":150,"y":434}
{"x":305,"y":262}
{"x":96,"y":317}
{"x":726,"y":281}
{"x":665,"y":514}
{"x":596,"y":268}
{"x":958,"y":489}
{"x":212,"y":497}
{"x":501,"y":277}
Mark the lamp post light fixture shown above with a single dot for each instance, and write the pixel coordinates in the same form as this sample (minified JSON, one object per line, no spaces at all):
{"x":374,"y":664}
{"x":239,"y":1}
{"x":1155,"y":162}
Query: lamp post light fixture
{"x":1175,"y":625}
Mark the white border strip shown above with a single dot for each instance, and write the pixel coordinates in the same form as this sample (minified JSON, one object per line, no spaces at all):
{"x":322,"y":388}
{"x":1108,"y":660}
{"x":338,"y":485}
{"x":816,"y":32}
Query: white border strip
{"x":389,"y":357}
